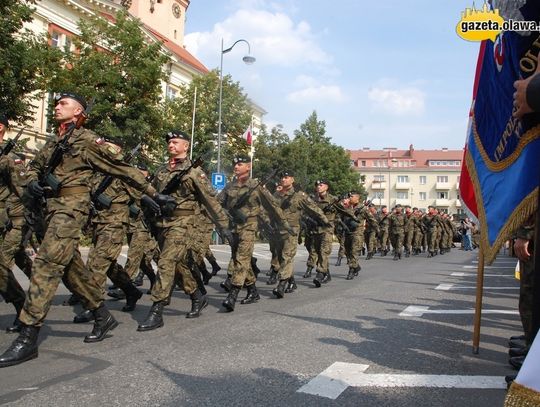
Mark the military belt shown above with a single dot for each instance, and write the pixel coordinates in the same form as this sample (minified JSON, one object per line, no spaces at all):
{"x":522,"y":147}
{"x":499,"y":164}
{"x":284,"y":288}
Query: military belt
{"x":117,"y":205}
{"x":183,"y":212}
{"x":68,"y":191}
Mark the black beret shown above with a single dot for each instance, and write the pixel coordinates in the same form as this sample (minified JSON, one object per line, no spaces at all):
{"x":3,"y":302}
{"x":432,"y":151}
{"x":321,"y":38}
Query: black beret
{"x":398,"y":206}
{"x":73,"y":96}
{"x":176,"y":134}
{"x":286,"y":173}
{"x":321,"y":181}
{"x":4,"y":120}
{"x":241,"y":159}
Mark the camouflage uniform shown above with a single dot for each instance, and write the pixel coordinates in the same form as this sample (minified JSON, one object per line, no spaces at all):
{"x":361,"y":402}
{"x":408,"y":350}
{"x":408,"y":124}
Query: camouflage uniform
{"x":372,"y":231}
{"x":384,"y":229}
{"x":14,"y":229}
{"x":339,"y":231}
{"x":354,"y":237}
{"x":430,"y":222}
{"x":409,"y":229}
{"x":324,"y":235}
{"x":397,"y":233}
{"x":66,"y":215}
{"x":526,"y":283}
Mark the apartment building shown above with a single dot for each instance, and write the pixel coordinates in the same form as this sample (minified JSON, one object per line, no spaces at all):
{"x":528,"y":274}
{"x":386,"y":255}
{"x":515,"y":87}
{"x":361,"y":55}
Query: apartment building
{"x":419,"y":178}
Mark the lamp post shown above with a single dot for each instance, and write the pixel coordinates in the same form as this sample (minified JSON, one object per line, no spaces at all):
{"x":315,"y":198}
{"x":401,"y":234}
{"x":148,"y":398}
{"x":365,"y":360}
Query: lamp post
{"x":248,"y":59}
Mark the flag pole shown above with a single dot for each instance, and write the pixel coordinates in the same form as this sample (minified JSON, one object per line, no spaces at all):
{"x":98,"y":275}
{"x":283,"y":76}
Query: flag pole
{"x":252,"y":150}
{"x":479,"y":295}
{"x":193,"y":124}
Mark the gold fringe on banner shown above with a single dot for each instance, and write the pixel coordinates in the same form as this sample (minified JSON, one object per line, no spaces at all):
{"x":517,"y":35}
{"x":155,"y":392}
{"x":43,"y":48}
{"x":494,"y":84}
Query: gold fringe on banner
{"x":519,"y":215}
{"x":521,"y":396}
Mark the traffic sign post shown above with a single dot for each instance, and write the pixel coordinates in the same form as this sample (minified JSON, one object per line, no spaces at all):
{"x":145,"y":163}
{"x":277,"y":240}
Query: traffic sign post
{"x":218,"y":180}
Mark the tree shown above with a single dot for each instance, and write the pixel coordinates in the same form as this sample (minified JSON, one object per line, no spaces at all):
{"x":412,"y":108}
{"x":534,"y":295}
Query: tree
{"x":268,"y":151}
{"x":26,"y":62}
{"x":236,"y":116}
{"x":119,"y":67}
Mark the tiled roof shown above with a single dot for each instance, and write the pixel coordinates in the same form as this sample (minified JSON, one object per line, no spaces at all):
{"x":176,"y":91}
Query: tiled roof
{"x":421,"y":157}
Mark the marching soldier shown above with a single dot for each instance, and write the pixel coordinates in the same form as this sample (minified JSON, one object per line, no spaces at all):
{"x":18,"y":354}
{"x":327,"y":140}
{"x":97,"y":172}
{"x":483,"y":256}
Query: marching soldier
{"x":295,"y":204}
{"x":372,"y":231}
{"x":397,"y":231}
{"x":430,"y":222}
{"x":68,"y":162}
{"x":244,"y":199}
{"x":384,"y":228}
{"x":188,"y":188}
{"x":409,"y":230}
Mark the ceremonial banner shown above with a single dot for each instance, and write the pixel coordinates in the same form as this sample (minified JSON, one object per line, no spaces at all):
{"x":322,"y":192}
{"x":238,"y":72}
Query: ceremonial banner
{"x":501,"y":166}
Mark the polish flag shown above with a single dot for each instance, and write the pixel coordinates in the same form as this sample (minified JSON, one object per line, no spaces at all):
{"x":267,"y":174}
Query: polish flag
{"x":248,"y":136}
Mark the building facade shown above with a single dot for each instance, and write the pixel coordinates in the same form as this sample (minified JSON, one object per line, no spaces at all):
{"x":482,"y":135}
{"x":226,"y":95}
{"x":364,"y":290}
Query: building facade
{"x":163,"y":20}
{"x":418,"y":178}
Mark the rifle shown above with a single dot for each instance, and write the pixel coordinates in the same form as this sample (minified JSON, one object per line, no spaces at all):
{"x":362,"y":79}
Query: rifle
{"x":101,"y":201}
{"x":330,"y":205}
{"x":235,"y":213}
{"x":12,"y":142}
{"x":48,"y":179}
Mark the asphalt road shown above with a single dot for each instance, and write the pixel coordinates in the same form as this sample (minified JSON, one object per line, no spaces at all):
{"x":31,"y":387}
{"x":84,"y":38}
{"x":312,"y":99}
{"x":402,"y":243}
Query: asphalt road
{"x":262,"y":354}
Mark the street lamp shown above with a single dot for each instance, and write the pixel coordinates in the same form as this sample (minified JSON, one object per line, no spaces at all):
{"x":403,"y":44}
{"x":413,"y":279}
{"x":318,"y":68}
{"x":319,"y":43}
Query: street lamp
{"x":248,"y":59}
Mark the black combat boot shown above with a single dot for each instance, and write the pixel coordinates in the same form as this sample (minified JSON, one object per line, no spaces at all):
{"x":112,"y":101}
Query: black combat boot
{"x":256,"y":270}
{"x":154,"y":319}
{"x":226,"y":284}
{"x":206,"y":276}
{"x":116,"y":293}
{"x":307,"y":274}
{"x":23,"y":348}
{"x":74,"y":299}
{"x":252,"y":295}
{"x":327,"y":277}
{"x":133,"y":294}
{"x":279,"y":291}
{"x":138,"y":280}
{"x":215,"y":267}
{"x":318,"y":279}
{"x":338,"y":261}
{"x":385,"y":252}
{"x":441,"y":251}
{"x":273,"y":278}
{"x":269,"y":272}
{"x":230,"y":301}
{"x":291,"y":285}
{"x":369,"y":256}
{"x":83,"y":316}
{"x":350,"y":274}
{"x":407,"y":253}
{"x":399,"y":255}
{"x":396,"y":256}
{"x":103,"y":323}
{"x":198,"y":303}
{"x":17,"y":324}
{"x":356,"y":270}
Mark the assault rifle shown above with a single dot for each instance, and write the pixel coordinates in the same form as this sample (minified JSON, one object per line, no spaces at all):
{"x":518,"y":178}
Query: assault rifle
{"x":11,"y":143}
{"x":101,"y":201}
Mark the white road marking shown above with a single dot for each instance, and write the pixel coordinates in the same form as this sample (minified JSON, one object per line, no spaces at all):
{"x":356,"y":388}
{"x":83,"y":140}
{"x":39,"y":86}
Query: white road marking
{"x":501,"y":262}
{"x":460,"y":274}
{"x":447,"y":287}
{"x":418,"y":311}
{"x":490,"y":267}
{"x":335,"y":379}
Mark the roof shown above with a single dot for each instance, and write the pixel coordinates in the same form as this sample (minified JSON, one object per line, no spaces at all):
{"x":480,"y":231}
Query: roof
{"x":182,"y":54}
{"x":421,"y":157}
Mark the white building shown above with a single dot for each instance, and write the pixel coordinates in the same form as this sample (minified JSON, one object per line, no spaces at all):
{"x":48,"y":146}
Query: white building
{"x":418,"y":178}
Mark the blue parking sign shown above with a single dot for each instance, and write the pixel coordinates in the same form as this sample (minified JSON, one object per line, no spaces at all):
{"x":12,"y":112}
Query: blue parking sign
{"x":218,"y":180}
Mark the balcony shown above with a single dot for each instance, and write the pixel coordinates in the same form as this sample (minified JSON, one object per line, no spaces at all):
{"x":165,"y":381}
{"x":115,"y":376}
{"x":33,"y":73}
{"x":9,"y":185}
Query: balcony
{"x":442,"y":186}
{"x":403,"y":185}
{"x":378,"y":201}
{"x":378,"y":185}
{"x":442,"y":203}
{"x":458,"y":203}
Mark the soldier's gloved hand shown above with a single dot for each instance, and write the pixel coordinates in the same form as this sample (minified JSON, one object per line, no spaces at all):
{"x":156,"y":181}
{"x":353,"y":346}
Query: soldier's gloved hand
{"x":35,"y":190}
{"x":163,"y":199}
{"x":150,"y":204}
{"x":227,"y":235}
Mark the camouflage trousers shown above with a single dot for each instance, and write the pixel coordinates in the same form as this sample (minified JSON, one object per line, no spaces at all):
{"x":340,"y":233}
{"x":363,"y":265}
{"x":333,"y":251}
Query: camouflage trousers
{"x":526,"y":297}
{"x":353,"y":245}
{"x":240,"y":268}
{"x":59,"y":256}
{"x":323,"y":247}
{"x":341,"y":240}
{"x":384,"y":239}
{"x":371,"y":241}
{"x":274,"y":262}
{"x":408,"y":241}
{"x":418,"y":239}
{"x":142,"y":249}
{"x":310,"y":244}
{"x":432,"y":240}
{"x":12,"y":251}
{"x":175,"y":246}
{"x":397,"y":242}
{"x":287,"y":247}
{"x":107,"y":239}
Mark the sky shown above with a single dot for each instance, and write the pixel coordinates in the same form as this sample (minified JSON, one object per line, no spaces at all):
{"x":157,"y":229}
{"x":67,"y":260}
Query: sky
{"x":379,"y":73}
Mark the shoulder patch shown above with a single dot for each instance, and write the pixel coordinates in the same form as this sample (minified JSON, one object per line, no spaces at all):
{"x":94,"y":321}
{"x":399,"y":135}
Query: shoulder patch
{"x":100,"y":141}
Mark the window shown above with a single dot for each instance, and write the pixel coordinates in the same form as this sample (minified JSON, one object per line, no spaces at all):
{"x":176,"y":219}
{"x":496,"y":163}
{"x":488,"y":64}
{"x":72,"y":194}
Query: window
{"x":402,"y":195}
{"x":59,"y":40}
{"x":443,"y":210}
{"x":171,"y":92}
{"x":442,"y":178}
{"x":422,"y":196}
{"x":402,"y":179}
{"x":423,"y":180}
{"x":378,"y":195}
{"x":458,"y":197}
{"x":442,"y":195}
{"x":460,"y":212}
{"x":378,"y":178}
{"x":363,"y":163}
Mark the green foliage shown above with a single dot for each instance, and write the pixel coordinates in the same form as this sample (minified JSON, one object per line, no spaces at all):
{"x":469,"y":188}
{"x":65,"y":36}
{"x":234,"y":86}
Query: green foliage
{"x":310,"y":156}
{"x":236,"y":116}
{"x":26,"y":62}
{"x":118,"y":67}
